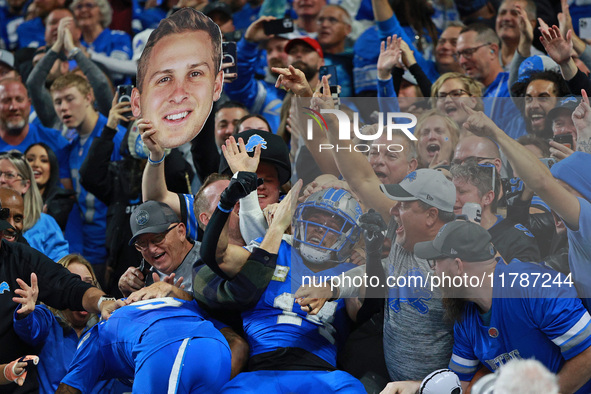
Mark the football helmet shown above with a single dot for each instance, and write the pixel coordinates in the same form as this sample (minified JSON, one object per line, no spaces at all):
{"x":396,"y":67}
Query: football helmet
{"x":326,"y":226}
{"x":442,"y":381}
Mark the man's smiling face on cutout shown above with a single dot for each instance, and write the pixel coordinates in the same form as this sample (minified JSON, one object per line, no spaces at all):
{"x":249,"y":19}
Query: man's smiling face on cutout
{"x":180,"y":85}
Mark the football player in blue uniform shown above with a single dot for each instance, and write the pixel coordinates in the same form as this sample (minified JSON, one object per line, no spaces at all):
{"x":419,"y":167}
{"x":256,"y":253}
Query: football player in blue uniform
{"x":291,"y":349}
{"x":165,"y":345}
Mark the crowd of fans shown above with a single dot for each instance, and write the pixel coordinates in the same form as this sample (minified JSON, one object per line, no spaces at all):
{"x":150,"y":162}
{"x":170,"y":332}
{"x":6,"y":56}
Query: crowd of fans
{"x":490,"y":177}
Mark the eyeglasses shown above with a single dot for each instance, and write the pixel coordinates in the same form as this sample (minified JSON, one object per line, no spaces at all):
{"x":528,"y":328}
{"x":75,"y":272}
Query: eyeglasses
{"x":81,"y":6}
{"x":142,"y":245}
{"x":469,"y":52}
{"x":9,"y":176}
{"x":453,"y":93}
{"x":330,"y":19}
{"x":477,"y":159}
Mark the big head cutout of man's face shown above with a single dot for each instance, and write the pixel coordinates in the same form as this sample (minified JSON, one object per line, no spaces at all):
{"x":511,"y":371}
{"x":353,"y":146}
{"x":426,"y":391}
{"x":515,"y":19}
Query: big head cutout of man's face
{"x":179,"y":77}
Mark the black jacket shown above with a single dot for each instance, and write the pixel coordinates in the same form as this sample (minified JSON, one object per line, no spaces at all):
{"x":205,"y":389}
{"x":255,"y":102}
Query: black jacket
{"x":58,"y":288}
{"x":119,"y":186}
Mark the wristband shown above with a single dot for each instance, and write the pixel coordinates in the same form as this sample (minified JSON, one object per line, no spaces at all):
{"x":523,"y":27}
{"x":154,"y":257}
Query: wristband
{"x":223,"y":209}
{"x":155,"y":163}
{"x":73,"y":52}
{"x":104,"y":298}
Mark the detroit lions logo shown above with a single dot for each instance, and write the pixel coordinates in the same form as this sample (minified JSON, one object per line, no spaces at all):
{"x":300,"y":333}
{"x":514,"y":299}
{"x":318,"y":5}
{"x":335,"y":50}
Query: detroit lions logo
{"x":4,"y":287}
{"x":255,"y":140}
{"x":413,"y":291}
{"x":411,"y":177}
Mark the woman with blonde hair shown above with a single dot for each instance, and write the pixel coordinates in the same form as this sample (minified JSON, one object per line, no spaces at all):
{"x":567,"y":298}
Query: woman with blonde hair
{"x":39,"y":229}
{"x":452,"y":89}
{"x":437,"y":136}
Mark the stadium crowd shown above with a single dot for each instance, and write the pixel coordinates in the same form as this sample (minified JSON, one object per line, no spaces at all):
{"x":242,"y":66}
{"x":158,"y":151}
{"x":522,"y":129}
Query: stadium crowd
{"x":295,"y":196}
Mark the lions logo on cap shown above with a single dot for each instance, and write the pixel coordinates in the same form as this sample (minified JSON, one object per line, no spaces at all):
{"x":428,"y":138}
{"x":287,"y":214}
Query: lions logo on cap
{"x":255,"y":140}
{"x":142,"y":217}
{"x":411,"y":177}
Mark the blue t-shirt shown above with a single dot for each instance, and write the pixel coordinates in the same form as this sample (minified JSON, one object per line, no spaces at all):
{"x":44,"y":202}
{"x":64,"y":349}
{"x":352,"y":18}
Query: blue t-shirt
{"x":500,"y":108}
{"x":46,"y":236}
{"x":52,"y":137}
{"x":92,"y":213}
{"x":9,"y":22}
{"x":115,"y":44}
{"x":31,"y":33}
{"x":278,"y":321}
{"x":579,"y":253}
{"x":546,"y":322}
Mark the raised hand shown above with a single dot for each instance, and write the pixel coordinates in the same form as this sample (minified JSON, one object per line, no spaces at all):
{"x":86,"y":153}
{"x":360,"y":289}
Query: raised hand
{"x":293,"y":79}
{"x":390,"y":53}
{"x":27,"y":295}
{"x":148,"y":133}
{"x":480,"y":124}
{"x":526,"y":38}
{"x":286,"y":209}
{"x":237,"y":157}
{"x":559,"y":48}
{"x":255,"y":32}
{"x":118,"y":111}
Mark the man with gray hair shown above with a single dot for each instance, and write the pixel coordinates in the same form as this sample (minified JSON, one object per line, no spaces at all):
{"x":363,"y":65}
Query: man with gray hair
{"x":478,"y":54}
{"x":160,"y":236}
{"x":525,"y":377}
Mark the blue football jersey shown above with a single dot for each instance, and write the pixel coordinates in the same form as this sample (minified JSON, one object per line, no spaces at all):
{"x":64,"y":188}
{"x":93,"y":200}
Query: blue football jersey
{"x":546,"y":322}
{"x":132,"y":334}
{"x":278,"y":321}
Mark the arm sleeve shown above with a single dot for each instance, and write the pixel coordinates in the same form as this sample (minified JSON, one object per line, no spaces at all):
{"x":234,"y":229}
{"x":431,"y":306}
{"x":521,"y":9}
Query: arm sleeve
{"x":34,"y":328}
{"x":88,"y":364}
{"x":94,"y":172}
{"x":514,"y":71}
{"x":243,"y":291}
{"x":252,"y":221}
{"x":40,"y":97}
{"x":98,"y":80}
{"x":578,"y":82}
{"x":127,"y":67}
{"x":463,"y":361}
{"x":586,"y":56}
{"x":392,"y":26}
{"x":422,"y":80}
{"x":345,"y":286}
{"x":245,"y":88}
{"x":386,"y":88}
{"x":564,"y":320}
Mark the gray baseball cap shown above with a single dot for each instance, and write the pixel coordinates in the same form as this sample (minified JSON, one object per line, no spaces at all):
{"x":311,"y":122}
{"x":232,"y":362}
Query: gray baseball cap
{"x":7,"y":58}
{"x":462,"y":239}
{"x":429,"y":186}
{"x":151,"y":217}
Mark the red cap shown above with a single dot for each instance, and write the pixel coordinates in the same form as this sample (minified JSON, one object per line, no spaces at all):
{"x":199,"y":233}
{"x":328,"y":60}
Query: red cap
{"x":312,"y":43}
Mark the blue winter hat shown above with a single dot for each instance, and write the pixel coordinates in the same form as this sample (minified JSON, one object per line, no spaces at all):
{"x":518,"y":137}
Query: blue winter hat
{"x":573,"y":171}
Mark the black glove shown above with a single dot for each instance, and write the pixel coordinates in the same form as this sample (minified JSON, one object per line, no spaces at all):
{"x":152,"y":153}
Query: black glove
{"x":241,"y":185}
{"x":513,"y":189}
{"x":373,"y":230}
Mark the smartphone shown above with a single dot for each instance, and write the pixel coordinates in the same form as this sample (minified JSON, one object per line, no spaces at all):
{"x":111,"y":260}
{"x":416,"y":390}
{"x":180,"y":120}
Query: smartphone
{"x":125,"y":95}
{"x":564,"y":139}
{"x":333,"y":81}
{"x":278,"y":26}
{"x":229,"y":56}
